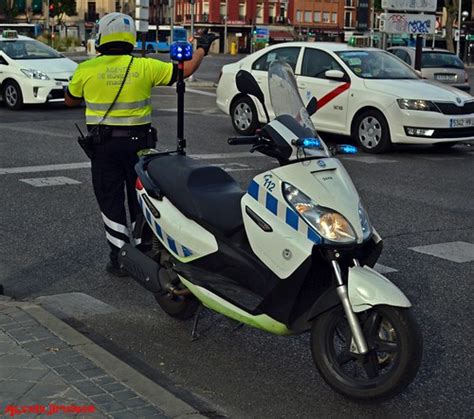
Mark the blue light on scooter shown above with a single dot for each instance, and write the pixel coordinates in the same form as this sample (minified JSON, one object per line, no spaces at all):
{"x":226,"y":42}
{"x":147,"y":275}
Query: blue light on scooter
{"x":181,"y":51}
{"x":307,"y":142}
{"x":346,"y":149}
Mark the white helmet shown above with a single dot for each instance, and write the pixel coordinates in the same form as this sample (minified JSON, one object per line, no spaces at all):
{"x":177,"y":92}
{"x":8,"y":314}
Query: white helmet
{"x":116,"y":27}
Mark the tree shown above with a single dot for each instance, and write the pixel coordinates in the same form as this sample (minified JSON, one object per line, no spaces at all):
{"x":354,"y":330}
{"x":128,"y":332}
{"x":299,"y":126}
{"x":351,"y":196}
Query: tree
{"x":59,"y":9}
{"x":9,"y":10}
{"x":452,"y":7}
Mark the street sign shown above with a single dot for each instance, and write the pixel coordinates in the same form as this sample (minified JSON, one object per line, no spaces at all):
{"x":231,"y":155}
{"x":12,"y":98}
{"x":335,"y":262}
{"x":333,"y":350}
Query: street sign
{"x":261,"y":35}
{"x":410,"y":5}
{"x":407,"y":23}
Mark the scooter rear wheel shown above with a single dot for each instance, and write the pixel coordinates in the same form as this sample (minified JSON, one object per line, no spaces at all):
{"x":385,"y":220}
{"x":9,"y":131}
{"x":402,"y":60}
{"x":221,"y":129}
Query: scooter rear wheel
{"x":395,"y":352}
{"x":179,"y":307}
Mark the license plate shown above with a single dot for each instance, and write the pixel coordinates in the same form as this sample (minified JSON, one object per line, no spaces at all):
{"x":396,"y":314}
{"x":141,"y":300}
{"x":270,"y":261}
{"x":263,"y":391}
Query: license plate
{"x":445,"y":77}
{"x":461,"y":123}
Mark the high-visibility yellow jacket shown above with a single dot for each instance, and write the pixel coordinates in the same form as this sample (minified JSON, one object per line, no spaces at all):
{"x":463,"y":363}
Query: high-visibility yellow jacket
{"x":98,"y":80}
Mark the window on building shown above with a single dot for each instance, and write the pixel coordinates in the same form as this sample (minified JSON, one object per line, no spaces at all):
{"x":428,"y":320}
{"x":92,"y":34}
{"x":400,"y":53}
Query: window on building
{"x":259,"y":13}
{"x":317,"y":62}
{"x":20,"y":5}
{"x":287,"y":54}
{"x":242,"y":11}
{"x":333,"y":17}
{"x":37,"y":6}
{"x":349,"y":3}
{"x":348,"y":19}
{"x":205,"y":8}
{"x":222,"y":10}
{"x":299,"y":16}
{"x":307,"y":16}
{"x":317,"y":17}
{"x":325,"y":17}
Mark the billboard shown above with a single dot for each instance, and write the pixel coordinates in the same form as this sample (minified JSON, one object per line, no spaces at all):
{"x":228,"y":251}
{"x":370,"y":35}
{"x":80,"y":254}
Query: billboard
{"x":407,"y":23}
{"x":410,"y":5}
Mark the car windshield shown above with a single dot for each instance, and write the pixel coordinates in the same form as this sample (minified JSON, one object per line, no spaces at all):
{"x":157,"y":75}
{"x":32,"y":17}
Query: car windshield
{"x":436,"y":59}
{"x":374,"y":64}
{"x":28,"y":50}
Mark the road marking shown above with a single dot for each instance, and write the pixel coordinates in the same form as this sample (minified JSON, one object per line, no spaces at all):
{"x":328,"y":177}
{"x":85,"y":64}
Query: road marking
{"x":382,"y":269}
{"x":86,"y":165}
{"x":32,"y":131}
{"x":74,"y":305}
{"x":459,"y":252}
{"x":50,"y":181}
{"x":46,"y":168}
{"x":369,"y":159}
{"x":200,"y":92}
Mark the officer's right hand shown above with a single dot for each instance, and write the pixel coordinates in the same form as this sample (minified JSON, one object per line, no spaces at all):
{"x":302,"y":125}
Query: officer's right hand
{"x":205,"y":40}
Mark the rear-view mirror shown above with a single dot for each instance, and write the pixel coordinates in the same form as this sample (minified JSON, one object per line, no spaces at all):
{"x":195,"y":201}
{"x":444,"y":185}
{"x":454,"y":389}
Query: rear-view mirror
{"x":247,"y":84}
{"x":335,"y":75}
{"x":312,"y":106}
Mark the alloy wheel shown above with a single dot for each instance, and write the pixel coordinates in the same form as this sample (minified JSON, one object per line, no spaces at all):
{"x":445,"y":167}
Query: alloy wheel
{"x":243,"y":116}
{"x":11,"y":95}
{"x":370,"y":132}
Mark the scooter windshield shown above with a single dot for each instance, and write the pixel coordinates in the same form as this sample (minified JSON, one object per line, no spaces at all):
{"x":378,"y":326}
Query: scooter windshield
{"x":284,"y":95}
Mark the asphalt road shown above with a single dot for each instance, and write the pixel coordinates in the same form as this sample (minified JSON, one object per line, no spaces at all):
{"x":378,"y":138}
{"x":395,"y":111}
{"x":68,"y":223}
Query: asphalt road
{"x":54,"y":245}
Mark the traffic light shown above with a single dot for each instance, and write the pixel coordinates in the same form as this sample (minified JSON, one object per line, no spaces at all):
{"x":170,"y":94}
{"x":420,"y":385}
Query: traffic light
{"x":51,"y":10}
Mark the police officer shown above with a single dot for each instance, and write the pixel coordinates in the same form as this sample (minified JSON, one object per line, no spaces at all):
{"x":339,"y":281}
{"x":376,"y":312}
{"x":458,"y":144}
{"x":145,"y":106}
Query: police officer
{"x":116,"y":88}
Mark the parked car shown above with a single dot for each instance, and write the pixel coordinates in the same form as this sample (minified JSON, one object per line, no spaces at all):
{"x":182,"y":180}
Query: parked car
{"x":31,"y":72}
{"x":363,"y":92}
{"x":437,"y":64}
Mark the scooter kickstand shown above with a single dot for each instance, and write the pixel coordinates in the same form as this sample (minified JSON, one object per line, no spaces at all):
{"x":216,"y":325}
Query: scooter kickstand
{"x":194,"y":333}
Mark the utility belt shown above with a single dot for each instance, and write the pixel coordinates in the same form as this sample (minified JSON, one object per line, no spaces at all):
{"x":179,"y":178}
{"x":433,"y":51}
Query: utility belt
{"x":100,"y":135}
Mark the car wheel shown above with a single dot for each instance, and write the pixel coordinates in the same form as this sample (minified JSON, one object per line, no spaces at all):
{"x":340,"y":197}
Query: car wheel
{"x":371,"y":132}
{"x":12,"y":96}
{"x":244,"y":116}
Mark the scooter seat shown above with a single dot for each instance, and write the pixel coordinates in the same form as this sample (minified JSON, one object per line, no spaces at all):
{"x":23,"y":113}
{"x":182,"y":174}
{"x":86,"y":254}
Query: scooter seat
{"x":202,"y":192}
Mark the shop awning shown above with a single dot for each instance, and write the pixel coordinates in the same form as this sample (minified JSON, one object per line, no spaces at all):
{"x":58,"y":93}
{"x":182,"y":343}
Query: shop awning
{"x":281,"y":36}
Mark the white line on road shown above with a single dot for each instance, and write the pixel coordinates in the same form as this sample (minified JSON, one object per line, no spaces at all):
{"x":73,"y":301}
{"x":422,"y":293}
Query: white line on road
{"x":16,"y":128}
{"x":86,"y":165}
{"x":200,"y":92}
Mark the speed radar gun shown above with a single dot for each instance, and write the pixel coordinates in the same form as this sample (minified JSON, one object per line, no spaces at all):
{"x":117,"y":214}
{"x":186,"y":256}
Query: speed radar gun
{"x":292,"y":253}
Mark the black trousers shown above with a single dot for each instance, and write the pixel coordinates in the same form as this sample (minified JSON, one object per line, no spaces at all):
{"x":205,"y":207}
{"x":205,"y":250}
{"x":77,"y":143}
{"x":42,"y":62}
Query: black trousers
{"x":113,"y":179}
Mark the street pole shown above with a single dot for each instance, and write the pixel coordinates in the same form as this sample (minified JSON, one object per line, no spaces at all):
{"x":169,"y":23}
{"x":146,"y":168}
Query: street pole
{"x":458,"y":45}
{"x":192,"y":20}
{"x":225,"y":26}
{"x":171,"y":21}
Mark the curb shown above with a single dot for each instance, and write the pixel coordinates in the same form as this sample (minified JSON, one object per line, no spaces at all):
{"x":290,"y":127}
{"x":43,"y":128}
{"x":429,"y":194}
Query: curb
{"x":166,"y":401}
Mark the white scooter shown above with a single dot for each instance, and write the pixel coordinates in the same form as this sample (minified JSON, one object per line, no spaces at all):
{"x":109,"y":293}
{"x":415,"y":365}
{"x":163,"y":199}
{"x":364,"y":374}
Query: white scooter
{"x":293,"y":253}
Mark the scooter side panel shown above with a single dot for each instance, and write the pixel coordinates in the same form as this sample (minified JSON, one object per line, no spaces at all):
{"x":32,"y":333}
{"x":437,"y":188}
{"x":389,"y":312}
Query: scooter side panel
{"x":216,"y":303}
{"x":367,"y":288}
{"x":290,"y":242}
{"x":182,"y":237}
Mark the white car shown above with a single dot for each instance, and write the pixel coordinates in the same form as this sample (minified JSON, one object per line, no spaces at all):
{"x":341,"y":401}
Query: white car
{"x":31,"y":72}
{"x":366,"y":93}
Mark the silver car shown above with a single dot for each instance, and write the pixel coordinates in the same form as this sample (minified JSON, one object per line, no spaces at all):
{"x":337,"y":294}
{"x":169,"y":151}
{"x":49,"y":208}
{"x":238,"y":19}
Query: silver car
{"x":437,"y":64}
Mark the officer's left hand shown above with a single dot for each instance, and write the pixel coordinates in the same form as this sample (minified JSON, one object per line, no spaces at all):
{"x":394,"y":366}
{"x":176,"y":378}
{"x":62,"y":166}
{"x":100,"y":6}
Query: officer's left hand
{"x":205,"y":40}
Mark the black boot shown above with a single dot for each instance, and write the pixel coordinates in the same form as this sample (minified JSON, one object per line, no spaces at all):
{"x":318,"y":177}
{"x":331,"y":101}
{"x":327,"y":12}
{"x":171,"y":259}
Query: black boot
{"x":115,"y":269}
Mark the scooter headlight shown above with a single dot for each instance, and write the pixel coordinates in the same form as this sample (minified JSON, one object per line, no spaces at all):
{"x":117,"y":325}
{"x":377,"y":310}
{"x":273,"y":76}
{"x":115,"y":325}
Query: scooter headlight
{"x":328,"y":223}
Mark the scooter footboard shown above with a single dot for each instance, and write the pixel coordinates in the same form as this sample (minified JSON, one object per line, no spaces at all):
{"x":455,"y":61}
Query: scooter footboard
{"x":368,"y":288}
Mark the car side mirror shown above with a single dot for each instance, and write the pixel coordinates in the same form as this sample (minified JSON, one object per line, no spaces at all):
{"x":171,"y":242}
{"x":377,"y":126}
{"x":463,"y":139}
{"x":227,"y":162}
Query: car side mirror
{"x":247,"y":84}
{"x":312,"y":106}
{"x":335,"y":75}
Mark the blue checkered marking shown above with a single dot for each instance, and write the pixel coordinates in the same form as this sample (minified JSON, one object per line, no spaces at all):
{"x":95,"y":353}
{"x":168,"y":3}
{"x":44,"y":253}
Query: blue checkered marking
{"x":253,"y":190}
{"x":173,"y":245}
{"x":292,"y":218}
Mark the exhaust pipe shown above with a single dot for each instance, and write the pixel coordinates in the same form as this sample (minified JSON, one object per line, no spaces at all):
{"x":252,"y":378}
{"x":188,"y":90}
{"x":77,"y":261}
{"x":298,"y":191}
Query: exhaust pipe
{"x":142,"y":268}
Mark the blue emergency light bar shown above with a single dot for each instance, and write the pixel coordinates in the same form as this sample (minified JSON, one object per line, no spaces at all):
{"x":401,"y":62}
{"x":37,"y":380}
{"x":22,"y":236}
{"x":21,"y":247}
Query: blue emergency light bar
{"x":346,"y":149}
{"x":181,"y":51}
{"x":307,"y":142}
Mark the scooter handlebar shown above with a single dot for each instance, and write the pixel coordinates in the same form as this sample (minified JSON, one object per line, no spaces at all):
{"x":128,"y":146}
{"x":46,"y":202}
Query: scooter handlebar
{"x":251,"y":140}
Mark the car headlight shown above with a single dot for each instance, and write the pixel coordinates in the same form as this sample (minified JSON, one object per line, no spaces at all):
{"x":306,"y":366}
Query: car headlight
{"x":364,"y":222}
{"x":328,"y":223}
{"x":417,"y":105}
{"x":34,"y":74}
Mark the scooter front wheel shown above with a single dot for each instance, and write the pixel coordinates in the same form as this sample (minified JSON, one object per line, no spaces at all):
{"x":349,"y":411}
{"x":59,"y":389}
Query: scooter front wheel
{"x":394,"y":357}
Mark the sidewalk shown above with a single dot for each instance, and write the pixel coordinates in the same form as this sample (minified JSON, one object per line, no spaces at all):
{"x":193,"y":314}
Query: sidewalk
{"x":49,"y":369}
